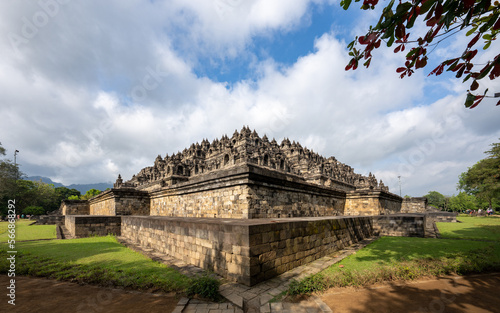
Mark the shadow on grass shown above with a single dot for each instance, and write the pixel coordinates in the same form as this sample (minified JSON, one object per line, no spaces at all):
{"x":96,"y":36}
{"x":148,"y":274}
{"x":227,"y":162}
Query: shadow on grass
{"x":475,"y":232}
{"x":390,"y":249}
{"x":96,"y":260}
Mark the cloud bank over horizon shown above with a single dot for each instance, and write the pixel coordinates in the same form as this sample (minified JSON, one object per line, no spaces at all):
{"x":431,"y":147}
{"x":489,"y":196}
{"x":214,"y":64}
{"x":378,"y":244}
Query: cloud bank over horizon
{"x":92,"y":89}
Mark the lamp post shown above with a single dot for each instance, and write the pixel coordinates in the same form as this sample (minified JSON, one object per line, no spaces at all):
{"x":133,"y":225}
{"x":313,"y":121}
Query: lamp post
{"x":399,"y":179}
{"x":15,"y":162}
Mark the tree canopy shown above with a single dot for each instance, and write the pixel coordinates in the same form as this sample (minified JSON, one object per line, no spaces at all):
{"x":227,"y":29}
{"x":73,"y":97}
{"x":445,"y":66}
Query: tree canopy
{"x":483,"y":179}
{"x":443,"y":18}
{"x":90,"y":194}
{"x":436,"y":199}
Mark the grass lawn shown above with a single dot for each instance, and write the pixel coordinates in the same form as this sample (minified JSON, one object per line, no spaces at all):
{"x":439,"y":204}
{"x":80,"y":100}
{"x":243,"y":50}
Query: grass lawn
{"x":26,"y":232}
{"x":97,"y":260}
{"x":483,"y":228}
{"x":389,"y":250}
{"x":404,"y":258}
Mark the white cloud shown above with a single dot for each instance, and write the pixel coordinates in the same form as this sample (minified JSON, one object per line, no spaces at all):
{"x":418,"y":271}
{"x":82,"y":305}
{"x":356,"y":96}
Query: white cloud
{"x":105,"y":87}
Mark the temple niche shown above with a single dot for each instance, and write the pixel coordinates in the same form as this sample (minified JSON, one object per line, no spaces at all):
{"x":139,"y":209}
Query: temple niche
{"x":247,"y":147}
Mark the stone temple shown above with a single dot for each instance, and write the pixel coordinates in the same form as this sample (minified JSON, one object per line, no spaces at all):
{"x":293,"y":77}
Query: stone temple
{"x":246,"y":207}
{"x":246,"y":176}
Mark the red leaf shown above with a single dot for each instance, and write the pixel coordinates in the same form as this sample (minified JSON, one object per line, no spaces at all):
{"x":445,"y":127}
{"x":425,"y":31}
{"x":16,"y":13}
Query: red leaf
{"x":400,"y":31}
{"x":470,"y":55}
{"x":497,"y":25}
{"x":468,"y":3}
{"x":498,"y":103}
{"x":495,"y":72}
{"x":431,"y":22}
{"x":401,"y":69}
{"x":439,"y":10}
{"x":449,"y":62}
{"x":474,"y":40}
{"x":398,"y":48}
{"x":458,"y":67}
{"x":421,"y":63}
{"x":438,"y":70}
{"x":474,"y":85}
{"x":477,"y":102}
{"x":437,"y":30}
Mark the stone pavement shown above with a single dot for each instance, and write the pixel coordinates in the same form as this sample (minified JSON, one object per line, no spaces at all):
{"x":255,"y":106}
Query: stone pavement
{"x":257,"y":298}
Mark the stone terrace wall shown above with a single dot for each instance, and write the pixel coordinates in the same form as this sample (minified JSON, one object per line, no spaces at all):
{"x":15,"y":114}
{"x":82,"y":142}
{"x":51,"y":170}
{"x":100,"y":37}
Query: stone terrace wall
{"x":274,"y":194}
{"x":75,"y":207}
{"x":437,"y":217}
{"x":372,"y":202}
{"x":85,"y":226}
{"x":120,"y":201}
{"x":277,"y":247}
{"x":247,"y":191}
{"x":103,"y":204}
{"x":224,"y":202}
{"x":414,"y":205}
{"x":49,"y":220}
{"x":406,"y":225}
{"x":247,"y":251}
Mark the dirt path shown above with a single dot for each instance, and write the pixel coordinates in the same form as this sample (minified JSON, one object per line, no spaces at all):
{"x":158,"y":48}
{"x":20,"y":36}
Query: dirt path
{"x":452,"y":294}
{"x":44,"y":295}
{"x":477,"y":293}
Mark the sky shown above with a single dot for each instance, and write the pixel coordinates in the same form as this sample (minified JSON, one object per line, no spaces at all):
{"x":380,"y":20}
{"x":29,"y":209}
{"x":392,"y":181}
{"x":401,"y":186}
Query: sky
{"x":93,"y":89}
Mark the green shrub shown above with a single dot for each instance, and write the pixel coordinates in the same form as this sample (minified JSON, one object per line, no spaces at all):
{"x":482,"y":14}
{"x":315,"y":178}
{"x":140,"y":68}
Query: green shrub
{"x":308,"y":285}
{"x":204,"y":286}
{"x":34,"y":210}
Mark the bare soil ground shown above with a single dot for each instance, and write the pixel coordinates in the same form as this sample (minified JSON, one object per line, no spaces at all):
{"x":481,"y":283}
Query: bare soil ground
{"x":45,"y":295}
{"x":475,"y":293}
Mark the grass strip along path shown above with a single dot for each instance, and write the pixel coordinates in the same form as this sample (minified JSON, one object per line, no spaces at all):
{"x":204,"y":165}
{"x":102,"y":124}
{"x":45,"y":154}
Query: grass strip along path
{"x":94,"y":260}
{"x":25,"y":231}
{"x":408,"y":258}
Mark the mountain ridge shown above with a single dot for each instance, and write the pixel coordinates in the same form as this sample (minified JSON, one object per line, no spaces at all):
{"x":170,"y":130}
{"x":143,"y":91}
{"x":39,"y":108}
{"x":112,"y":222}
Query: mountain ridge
{"x":83,"y":188}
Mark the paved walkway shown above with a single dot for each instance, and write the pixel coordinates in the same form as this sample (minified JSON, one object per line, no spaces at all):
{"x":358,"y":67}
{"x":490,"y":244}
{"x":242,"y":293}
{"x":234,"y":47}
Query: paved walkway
{"x":257,"y":298}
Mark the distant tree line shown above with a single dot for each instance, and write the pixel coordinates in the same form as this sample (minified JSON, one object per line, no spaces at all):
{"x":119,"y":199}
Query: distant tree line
{"x":32,"y":197}
{"x":479,"y":186}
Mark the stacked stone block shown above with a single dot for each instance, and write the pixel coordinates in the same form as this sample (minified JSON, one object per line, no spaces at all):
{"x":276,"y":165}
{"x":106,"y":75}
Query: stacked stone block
{"x":75,"y":207}
{"x":372,"y":202}
{"x":404,"y":225}
{"x":85,"y":226}
{"x":248,"y":251}
{"x":120,"y":201}
{"x":414,"y":205}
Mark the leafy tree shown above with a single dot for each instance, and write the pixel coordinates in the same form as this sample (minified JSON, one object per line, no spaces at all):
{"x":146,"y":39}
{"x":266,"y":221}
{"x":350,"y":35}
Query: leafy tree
{"x":90,"y":194}
{"x":463,"y":202}
{"x":64,"y":193}
{"x":443,"y":18}
{"x":34,"y":210}
{"x":436,"y":199}
{"x":8,"y":173}
{"x":74,"y":197}
{"x":483,"y":179}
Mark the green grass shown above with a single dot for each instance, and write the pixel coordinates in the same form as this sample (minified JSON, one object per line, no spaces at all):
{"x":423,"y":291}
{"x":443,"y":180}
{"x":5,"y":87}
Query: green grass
{"x":388,"y":250}
{"x":478,"y":228}
{"x":404,"y":258}
{"x":26,"y":232}
{"x":95,"y":260}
